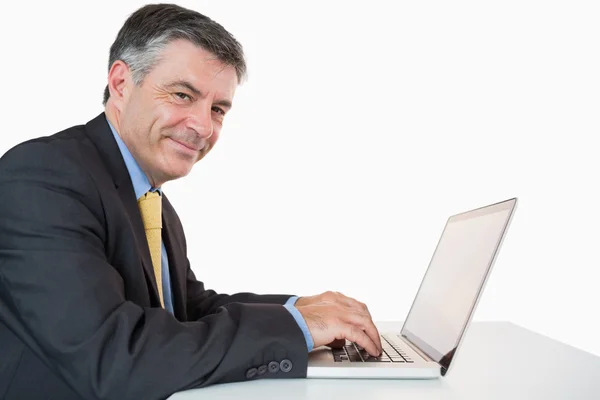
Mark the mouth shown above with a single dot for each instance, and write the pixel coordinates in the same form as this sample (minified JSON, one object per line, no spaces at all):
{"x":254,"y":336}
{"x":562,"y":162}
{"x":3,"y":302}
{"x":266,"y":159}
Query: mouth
{"x":187,"y":146}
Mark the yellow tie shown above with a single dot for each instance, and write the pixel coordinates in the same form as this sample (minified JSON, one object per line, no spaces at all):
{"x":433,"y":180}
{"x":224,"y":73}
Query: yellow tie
{"x":150,"y":208}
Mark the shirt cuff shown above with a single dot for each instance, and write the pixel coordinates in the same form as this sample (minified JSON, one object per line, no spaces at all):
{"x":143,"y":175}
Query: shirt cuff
{"x":289,"y":305}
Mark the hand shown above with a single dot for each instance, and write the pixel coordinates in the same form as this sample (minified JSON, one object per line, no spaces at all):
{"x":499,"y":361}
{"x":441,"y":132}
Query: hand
{"x":332,"y":318}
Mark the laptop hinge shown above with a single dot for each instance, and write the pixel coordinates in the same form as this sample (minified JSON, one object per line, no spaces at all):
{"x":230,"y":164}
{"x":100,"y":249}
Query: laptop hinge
{"x":416,"y":349}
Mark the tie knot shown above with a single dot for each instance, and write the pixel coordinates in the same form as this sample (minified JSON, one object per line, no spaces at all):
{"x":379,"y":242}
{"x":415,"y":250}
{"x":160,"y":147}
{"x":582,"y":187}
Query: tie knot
{"x":151,"y":195}
{"x":150,"y":207}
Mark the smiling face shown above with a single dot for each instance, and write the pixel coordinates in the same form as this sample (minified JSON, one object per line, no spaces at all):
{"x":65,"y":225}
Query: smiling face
{"x":173,"y":119}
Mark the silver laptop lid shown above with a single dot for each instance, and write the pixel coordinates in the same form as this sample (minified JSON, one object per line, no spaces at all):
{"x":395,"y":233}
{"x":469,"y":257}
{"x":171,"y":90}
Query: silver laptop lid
{"x":455,"y":279}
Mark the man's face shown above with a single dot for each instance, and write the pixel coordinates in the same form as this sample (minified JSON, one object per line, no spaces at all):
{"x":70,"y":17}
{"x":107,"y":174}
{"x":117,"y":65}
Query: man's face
{"x":173,"y":119}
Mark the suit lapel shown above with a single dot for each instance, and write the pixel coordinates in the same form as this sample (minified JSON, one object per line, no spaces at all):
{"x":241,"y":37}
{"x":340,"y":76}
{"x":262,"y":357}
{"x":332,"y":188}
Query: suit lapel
{"x":99,"y":132}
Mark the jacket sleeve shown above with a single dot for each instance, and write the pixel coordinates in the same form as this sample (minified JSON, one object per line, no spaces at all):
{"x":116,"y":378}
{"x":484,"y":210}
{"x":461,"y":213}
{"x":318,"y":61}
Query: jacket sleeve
{"x":202,"y":302}
{"x":61,"y":297}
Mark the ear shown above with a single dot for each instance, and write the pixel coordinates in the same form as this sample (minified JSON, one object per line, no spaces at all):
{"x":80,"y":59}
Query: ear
{"x":119,"y":82}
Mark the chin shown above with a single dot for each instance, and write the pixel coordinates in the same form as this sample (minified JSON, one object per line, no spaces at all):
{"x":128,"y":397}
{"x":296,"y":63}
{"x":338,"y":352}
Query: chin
{"x":180,"y":172}
{"x":176,"y":169}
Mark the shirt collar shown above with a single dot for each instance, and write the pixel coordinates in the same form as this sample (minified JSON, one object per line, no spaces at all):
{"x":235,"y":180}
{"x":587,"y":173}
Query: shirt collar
{"x":140,"y":181}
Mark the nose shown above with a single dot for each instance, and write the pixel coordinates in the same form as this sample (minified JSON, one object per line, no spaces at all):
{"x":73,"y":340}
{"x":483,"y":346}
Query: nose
{"x":200,"y":121}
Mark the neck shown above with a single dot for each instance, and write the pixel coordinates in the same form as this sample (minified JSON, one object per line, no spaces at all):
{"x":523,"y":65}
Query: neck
{"x":113,"y":116}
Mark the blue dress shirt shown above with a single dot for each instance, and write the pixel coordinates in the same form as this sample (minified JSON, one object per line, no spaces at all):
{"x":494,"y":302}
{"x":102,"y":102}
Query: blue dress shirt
{"x":141,"y":185}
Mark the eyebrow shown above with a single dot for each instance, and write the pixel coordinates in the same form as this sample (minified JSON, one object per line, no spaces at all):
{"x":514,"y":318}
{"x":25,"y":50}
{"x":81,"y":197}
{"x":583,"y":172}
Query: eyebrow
{"x":191,"y":88}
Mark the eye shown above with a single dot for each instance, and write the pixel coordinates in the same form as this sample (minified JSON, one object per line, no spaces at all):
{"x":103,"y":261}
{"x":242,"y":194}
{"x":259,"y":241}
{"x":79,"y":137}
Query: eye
{"x":182,"y":96}
{"x":218,"y":110}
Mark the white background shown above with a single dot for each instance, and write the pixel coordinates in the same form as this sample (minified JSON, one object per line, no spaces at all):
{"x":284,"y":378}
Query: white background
{"x":362,"y":127}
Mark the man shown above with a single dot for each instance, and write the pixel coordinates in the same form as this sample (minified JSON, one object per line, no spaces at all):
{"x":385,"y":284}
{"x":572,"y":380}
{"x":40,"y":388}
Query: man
{"x":97,"y":297}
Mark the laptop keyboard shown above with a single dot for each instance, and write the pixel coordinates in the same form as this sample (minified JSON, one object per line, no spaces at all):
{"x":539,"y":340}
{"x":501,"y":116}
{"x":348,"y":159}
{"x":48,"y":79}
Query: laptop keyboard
{"x":352,"y":352}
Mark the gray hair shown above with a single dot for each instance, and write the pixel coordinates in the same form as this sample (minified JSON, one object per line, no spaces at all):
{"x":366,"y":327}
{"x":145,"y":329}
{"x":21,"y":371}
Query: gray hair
{"x":150,"y":29}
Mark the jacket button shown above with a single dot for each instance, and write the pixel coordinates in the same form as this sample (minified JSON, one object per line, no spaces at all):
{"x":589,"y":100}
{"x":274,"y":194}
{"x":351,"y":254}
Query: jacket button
{"x":251,"y":373}
{"x":273,"y":367}
{"x":262,"y":370}
{"x":285,"y":365}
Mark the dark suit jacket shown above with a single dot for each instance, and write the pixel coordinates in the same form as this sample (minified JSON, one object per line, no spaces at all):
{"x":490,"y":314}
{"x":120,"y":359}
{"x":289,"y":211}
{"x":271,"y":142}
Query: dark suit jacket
{"x":79,"y":310}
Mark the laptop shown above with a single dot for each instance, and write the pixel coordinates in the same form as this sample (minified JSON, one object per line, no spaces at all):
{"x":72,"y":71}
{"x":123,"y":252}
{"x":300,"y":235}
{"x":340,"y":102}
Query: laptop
{"x":442,"y":308}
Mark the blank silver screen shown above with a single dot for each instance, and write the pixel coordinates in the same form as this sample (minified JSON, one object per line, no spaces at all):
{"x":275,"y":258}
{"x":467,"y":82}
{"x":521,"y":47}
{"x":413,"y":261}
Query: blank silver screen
{"x":455,"y":276}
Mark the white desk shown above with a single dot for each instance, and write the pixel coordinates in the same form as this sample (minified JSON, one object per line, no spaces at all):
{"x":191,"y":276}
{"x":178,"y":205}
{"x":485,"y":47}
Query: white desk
{"x":498,"y":360}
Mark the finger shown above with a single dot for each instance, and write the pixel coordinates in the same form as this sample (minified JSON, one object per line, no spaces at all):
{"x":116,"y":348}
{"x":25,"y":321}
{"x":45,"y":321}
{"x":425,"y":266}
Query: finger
{"x":361,"y":309}
{"x":364,"y":322}
{"x":357,"y":335}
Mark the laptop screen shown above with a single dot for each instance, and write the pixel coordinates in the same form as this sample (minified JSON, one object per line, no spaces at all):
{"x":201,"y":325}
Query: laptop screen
{"x":454,"y":280}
